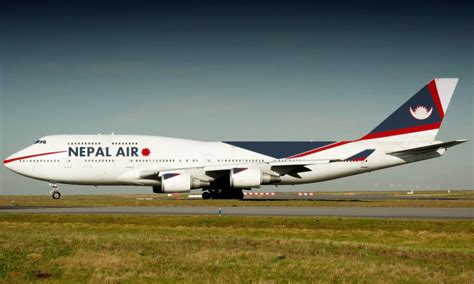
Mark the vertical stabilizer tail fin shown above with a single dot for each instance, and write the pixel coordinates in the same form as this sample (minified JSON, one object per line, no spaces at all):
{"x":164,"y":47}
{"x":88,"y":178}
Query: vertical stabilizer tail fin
{"x":421,"y":116}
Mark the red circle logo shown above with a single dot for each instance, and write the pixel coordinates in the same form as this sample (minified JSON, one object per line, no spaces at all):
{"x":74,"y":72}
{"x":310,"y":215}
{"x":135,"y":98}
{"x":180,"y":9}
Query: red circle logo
{"x":146,"y":152}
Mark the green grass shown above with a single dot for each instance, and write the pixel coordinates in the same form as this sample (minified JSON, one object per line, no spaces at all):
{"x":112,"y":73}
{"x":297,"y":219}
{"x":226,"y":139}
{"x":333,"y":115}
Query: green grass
{"x":458,"y":199}
{"x":115,"y":248}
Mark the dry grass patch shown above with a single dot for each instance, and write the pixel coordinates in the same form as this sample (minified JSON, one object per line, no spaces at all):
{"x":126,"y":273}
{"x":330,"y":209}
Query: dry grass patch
{"x":99,"y":261}
{"x":102,"y":266}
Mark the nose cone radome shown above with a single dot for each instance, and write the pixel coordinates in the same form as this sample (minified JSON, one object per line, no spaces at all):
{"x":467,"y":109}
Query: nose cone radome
{"x":11,"y":162}
{"x":8,"y":162}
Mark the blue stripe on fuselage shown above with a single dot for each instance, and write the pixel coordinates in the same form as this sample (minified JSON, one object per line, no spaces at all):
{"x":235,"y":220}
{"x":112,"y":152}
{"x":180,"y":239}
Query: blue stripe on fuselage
{"x":361,"y":156}
{"x":280,"y":149}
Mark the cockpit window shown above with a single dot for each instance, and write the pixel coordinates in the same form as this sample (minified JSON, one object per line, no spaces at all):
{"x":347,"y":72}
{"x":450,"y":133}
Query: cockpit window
{"x":40,"y":142}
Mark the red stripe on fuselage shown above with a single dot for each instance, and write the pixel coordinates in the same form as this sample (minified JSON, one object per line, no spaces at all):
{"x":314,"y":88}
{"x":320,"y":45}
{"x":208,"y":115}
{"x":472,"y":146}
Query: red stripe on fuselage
{"x":401,"y":131}
{"x":372,"y":136}
{"x":434,"y":93}
{"x":31,"y":156}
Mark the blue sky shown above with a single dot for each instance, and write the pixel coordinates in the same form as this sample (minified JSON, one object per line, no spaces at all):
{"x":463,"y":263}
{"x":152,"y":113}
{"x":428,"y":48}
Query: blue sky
{"x":235,"y":70}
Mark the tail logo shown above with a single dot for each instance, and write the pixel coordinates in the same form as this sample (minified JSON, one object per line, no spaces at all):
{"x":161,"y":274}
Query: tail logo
{"x":421,"y":112}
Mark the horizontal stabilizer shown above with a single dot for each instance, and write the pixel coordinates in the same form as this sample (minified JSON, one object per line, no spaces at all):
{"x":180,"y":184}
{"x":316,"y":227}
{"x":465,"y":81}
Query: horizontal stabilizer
{"x":427,"y":149}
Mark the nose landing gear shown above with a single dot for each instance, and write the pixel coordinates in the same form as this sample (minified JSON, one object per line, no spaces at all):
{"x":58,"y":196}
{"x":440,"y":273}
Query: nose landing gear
{"x":55,"y":194}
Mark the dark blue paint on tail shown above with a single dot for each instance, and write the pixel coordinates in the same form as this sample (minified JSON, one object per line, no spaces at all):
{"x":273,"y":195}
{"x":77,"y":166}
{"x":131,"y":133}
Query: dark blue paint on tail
{"x":360,"y":156}
{"x":412,"y":114}
{"x":278,"y":150}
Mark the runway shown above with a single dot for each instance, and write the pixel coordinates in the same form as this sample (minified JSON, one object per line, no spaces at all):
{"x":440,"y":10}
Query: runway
{"x":377,"y":212}
{"x":358,"y":197}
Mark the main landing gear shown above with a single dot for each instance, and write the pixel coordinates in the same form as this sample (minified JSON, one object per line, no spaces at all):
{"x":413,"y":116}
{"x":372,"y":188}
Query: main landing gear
{"x":223,"y":194}
{"x":55,"y":194}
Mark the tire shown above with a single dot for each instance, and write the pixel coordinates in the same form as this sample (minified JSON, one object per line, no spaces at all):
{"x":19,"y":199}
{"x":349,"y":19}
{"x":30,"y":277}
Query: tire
{"x":238,"y":195}
{"x":215,"y":195}
{"x":206,"y":195}
{"x":56,"y":195}
{"x":227,"y":194}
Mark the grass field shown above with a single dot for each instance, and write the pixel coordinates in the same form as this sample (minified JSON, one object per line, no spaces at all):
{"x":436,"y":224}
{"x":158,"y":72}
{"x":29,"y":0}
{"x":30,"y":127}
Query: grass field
{"x":101,"y":248}
{"x":398,"y":199}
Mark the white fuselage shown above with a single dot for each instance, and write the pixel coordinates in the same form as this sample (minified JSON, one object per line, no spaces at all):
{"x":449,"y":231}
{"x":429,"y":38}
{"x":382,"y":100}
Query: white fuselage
{"x":121,"y":159}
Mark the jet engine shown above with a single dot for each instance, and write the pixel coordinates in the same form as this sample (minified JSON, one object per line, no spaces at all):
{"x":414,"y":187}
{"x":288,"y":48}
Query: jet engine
{"x":175,"y":182}
{"x":250,"y":178}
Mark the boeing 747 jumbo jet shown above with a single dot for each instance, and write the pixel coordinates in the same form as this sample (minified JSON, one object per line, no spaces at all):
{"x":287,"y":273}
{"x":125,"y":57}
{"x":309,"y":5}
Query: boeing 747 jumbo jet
{"x":224,"y":169}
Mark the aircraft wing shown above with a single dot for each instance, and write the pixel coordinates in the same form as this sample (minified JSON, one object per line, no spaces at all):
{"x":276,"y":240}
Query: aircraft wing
{"x":426,"y":149}
{"x":290,"y":167}
{"x":293,"y":167}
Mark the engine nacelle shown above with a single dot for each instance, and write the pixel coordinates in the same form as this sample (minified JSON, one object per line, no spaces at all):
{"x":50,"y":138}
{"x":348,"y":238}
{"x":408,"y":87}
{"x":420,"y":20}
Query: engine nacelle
{"x":250,"y":178}
{"x":175,"y":182}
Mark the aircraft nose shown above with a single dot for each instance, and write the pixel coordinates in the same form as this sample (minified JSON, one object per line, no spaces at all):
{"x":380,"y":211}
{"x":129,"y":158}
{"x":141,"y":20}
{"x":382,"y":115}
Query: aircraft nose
{"x":8,"y":162}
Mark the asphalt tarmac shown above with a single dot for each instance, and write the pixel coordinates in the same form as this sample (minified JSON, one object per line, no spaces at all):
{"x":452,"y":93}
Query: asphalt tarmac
{"x":377,"y":212}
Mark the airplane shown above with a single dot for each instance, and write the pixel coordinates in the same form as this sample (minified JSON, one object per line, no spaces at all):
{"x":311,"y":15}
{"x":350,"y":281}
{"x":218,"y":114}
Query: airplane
{"x":222,"y":170}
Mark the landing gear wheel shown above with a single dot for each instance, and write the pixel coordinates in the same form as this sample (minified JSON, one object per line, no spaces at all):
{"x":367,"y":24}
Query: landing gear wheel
{"x":238,"y":195}
{"x":215,"y":195}
{"x":56,"y":195}
{"x":206,"y":195}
